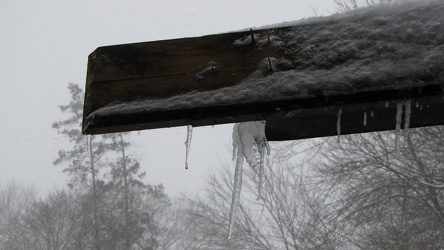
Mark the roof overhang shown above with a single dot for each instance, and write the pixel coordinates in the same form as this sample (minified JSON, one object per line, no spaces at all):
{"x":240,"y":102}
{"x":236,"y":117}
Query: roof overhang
{"x":296,"y":78}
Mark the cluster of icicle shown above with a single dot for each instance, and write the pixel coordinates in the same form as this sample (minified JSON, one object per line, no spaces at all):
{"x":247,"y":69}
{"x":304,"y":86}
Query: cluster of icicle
{"x":249,"y":142}
{"x":402,"y":107}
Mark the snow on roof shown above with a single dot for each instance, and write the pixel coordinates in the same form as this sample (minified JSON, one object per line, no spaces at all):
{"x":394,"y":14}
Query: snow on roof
{"x":384,"y":47}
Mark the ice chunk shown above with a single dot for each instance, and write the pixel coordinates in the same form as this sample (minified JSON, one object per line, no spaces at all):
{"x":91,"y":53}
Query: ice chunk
{"x":250,"y":135}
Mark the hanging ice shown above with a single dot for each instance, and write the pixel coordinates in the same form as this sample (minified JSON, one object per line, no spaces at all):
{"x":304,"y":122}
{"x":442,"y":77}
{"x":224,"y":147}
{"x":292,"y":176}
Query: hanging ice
{"x":338,"y":124}
{"x":365,"y":118}
{"x":188,"y":144}
{"x":398,"y":126}
{"x":408,"y":111}
{"x":247,"y":137}
{"x":236,"y":188}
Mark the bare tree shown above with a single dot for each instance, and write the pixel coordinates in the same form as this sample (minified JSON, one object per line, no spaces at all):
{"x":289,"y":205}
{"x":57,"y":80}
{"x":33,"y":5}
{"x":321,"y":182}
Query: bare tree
{"x":13,"y":202}
{"x":54,"y":221}
{"x":291,"y":215}
{"x":344,"y":5}
{"x":388,"y":200}
{"x":28,"y":222}
{"x":175,"y":231}
{"x":357,"y":194}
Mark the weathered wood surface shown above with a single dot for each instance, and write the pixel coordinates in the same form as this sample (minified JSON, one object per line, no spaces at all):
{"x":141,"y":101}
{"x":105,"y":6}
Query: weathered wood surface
{"x":126,"y":73}
{"x":162,"y":69}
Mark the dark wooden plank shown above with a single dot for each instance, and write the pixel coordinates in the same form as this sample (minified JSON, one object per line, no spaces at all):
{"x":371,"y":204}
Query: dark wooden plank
{"x":310,"y":69}
{"x":124,"y":73}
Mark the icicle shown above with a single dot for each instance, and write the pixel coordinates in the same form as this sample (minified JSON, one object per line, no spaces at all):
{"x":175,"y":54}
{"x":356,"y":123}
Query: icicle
{"x":252,"y":134}
{"x":246,"y":136}
{"x":261,"y":146}
{"x":365,"y":118}
{"x":267,"y":146}
{"x":372,"y":113}
{"x":235,"y":196}
{"x":188,"y":144}
{"x":338,"y":124}
{"x":386,"y":104}
{"x":236,"y":140}
{"x":398,"y":126}
{"x":408,"y":110}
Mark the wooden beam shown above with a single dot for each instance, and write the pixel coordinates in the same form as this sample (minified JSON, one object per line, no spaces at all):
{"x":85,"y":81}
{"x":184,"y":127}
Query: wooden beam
{"x":296,"y":78}
{"x":363,"y":113}
{"x":153,"y":70}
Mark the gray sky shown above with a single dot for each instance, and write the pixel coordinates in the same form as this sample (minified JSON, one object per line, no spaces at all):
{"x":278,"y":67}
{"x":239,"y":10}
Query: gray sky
{"x":44,"y":46}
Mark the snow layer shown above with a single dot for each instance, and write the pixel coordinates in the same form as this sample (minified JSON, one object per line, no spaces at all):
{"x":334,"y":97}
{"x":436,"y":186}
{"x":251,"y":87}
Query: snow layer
{"x":383,"y":47}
